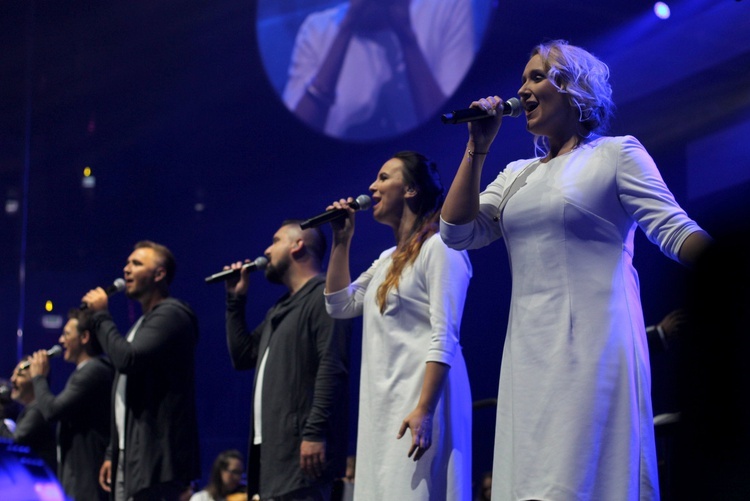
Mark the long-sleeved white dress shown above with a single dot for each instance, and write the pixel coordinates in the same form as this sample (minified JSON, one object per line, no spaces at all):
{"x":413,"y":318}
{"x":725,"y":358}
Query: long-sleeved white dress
{"x":574,"y":411}
{"x":420,"y":324}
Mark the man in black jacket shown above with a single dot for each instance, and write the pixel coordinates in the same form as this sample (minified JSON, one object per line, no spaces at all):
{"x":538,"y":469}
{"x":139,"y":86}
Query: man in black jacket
{"x":301,"y":382}
{"x":154,"y":445}
{"x":82,"y":408}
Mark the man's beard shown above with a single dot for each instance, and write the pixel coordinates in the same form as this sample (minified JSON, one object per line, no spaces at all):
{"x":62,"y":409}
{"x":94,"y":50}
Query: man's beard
{"x":275,"y":272}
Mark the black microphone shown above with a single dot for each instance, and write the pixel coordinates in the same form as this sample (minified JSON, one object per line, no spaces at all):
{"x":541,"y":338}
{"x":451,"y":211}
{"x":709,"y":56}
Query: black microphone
{"x":117,"y":286}
{"x":52,"y":352}
{"x":361,"y":203}
{"x":511,"y":108}
{"x":258,"y":264}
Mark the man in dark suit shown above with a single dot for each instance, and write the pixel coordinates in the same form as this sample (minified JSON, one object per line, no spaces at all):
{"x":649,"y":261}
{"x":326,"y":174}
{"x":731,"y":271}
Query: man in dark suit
{"x":82,"y":408}
{"x":154,"y":445}
{"x":301,"y":359}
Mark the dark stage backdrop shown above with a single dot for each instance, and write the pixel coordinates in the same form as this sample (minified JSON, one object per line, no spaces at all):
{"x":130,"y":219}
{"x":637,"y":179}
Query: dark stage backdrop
{"x":190,"y":145}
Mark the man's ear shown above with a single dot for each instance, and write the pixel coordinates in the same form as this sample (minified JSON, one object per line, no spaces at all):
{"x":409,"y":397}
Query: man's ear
{"x":85,"y":337}
{"x":160,"y":274}
{"x":298,"y":248}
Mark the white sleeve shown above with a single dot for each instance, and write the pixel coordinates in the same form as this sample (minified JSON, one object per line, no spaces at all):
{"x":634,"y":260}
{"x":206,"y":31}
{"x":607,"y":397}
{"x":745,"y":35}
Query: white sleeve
{"x":484,"y":229}
{"x":348,"y":302}
{"x":446,"y":273}
{"x":645,"y":196}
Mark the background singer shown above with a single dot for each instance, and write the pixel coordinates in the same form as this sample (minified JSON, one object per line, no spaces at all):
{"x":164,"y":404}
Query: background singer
{"x":413,"y":372}
{"x":301,"y":356}
{"x":154,"y":448}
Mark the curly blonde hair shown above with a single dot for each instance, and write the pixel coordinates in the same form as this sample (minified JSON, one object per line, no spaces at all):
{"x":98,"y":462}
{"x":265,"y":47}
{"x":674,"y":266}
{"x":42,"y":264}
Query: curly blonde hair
{"x":585,"y":79}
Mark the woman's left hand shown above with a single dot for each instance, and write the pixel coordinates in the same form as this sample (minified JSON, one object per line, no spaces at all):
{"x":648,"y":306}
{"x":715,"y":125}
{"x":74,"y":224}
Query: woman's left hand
{"x":419,"y":422}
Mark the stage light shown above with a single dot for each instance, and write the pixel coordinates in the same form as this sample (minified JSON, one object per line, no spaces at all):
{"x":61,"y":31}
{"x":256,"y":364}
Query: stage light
{"x":11,"y":206}
{"x":48,"y":306}
{"x":661,"y":10}
{"x":52,"y":321}
{"x":88,"y":180}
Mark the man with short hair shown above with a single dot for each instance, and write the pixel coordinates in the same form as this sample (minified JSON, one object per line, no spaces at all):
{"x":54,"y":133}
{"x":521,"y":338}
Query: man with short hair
{"x":82,"y":407}
{"x":154,"y":444}
{"x":30,"y":428}
{"x":300,"y":355}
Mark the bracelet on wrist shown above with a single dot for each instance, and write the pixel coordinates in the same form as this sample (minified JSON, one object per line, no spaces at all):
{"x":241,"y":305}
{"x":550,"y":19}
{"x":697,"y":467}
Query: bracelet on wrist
{"x":471,"y":152}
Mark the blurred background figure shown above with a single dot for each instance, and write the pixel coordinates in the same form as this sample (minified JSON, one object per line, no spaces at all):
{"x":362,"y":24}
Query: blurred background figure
{"x":225,"y":482}
{"x":343,"y":488}
{"x":484,"y":488}
{"x":30,"y":428}
{"x":712,"y":444}
{"x":668,"y":327}
{"x":9,"y":409}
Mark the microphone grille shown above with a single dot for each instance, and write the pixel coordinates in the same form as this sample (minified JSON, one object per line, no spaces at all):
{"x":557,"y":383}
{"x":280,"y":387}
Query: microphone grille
{"x":364,"y":202}
{"x":54,"y":351}
{"x":260,"y":262}
{"x":119,"y":284}
{"x":515,"y":107}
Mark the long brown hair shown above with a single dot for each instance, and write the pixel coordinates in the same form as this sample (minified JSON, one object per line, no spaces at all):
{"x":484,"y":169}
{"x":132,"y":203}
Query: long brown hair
{"x":420,"y":173}
{"x":215,"y":487}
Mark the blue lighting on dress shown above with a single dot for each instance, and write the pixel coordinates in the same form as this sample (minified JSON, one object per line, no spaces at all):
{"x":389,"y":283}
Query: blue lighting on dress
{"x":661,"y":10}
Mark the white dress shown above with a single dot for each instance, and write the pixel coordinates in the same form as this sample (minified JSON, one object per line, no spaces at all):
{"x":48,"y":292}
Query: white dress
{"x":574,"y":410}
{"x":420,"y":324}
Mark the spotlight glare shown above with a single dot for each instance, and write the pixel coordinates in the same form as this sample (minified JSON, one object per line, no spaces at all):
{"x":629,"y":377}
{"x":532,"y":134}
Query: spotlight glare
{"x":11,"y":206}
{"x":661,"y":10}
{"x":48,"y":306}
{"x":86,"y":171}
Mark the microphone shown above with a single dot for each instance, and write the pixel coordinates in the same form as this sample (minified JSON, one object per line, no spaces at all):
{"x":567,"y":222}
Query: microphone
{"x":361,"y":203}
{"x":117,"y":286}
{"x":511,"y":108}
{"x":258,"y":264}
{"x":52,"y":352}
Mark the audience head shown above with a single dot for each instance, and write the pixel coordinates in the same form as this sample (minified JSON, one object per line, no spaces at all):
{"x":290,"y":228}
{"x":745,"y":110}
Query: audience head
{"x":226,"y":474}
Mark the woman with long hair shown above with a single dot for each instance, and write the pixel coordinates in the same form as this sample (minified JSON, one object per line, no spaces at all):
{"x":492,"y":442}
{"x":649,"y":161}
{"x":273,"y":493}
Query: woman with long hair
{"x":226,"y":478}
{"x":413,"y":372}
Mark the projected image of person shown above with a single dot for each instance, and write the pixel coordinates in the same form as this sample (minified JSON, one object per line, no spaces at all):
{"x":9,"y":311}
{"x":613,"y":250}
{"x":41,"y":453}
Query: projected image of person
{"x":574,"y":405}
{"x":413,"y":372}
{"x":373,"y":68}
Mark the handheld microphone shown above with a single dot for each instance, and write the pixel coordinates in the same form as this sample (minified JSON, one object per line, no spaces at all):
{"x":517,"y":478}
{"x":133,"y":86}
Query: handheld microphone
{"x":511,"y":108}
{"x":258,"y":264}
{"x":52,"y":352}
{"x":361,"y":203}
{"x":117,"y":286}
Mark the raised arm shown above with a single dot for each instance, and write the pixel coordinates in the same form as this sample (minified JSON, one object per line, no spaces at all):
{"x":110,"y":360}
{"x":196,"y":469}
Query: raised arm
{"x":338,"y":276}
{"x":320,"y":90}
{"x":462,"y":202}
